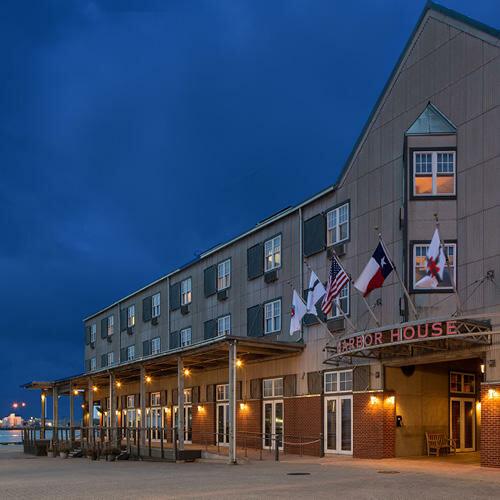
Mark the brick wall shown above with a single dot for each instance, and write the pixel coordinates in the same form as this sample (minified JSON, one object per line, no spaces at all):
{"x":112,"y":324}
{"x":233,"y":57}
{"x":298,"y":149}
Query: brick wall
{"x":303,"y":423}
{"x":490,"y":426}
{"x":204,"y":423}
{"x":249,"y":424}
{"x":374,"y":425}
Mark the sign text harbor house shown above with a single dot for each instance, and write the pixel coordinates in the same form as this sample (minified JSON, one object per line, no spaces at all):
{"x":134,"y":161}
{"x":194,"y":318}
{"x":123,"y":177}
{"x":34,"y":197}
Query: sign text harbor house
{"x":404,"y":357}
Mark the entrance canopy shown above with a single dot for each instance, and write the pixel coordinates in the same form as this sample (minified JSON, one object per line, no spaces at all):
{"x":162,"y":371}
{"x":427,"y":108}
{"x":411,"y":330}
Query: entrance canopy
{"x":413,"y":338}
{"x":208,"y":355}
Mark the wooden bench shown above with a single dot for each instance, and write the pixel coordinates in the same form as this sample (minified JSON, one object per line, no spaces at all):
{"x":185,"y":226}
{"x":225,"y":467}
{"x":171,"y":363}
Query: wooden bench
{"x":437,"y":441}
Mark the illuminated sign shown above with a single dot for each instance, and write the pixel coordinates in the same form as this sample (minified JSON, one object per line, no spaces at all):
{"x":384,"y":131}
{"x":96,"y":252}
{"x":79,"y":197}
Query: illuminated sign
{"x":403,"y":334}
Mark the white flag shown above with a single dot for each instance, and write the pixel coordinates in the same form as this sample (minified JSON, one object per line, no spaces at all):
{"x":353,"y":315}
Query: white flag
{"x":315,"y":292}
{"x":434,"y":264}
{"x":298,"y":311}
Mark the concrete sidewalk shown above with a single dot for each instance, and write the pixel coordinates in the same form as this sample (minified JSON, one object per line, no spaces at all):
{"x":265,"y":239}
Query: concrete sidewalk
{"x":23,"y":476}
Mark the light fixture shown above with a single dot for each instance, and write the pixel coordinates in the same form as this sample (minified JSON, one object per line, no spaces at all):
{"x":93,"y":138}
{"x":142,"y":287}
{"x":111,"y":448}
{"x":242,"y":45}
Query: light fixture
{"x":117,"y":412}
{"x":75,"y":392}
{"x":83,"y":406}
{"x":492,"y":393}
{"x":148,"y":379}
{"x":201,"y":409}
{"x":390,"y":400}
{"x":43,"y":396}
{"x":94,"y":388}
{"x":239,"y":363}
{"x":187,"y":372}
{"x":23,"y":404}
{"x":118,"y":384}
{"x":482,"y":367}
{"x":373,"y":400}
{"x":478,"y":406}
{"x":243,"y":406}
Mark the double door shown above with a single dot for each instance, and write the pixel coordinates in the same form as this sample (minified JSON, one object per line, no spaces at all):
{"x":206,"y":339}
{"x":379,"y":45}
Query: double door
{"x":338,"y":424}
{"x":273,"y":424}
{"x":154,"y":422}
{"x":463,"y":423}
{"x":188,"y":422}
{"x":223,"y":423}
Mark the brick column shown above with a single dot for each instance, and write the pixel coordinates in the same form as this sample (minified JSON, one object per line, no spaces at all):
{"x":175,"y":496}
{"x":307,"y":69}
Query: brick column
{"x":204,"y":423}
{"x":374,"y":425}
{"x":490,"y":425}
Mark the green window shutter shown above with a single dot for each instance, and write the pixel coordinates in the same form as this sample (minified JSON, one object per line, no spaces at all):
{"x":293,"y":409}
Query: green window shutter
{"x":314,"y":382}
{"x":289,"y":385}
{"x":123,"y":354}
{"x":175,"y":296}
{"x":146,"y":348}
{"x":210,"y":281}
{"x":104,"y":360}
{"x":255,"y":388}
{"x":239,"y":390}
{"x":255,"y":261}
{"x":87,"y":365}
{"x":146,"y":309}
{"x":314,"y":235}
{"x":174,"y":340}
{"x":210,"y":393}
{"x":123,"y":320}
{"x":255,"y":321}
{"x":210,"y":329}
{"x":87,"y":335}
{"x":104,"y":328}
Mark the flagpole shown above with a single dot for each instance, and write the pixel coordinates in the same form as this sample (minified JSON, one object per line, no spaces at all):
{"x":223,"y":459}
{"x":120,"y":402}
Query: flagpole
{"x":370,"y":310}
{"x":414,"y":309}
{"x":447,"y":260}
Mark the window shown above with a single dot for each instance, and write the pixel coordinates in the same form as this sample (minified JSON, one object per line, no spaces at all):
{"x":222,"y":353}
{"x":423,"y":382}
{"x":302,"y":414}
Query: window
{"x":224,"y":325}
{"x":111,"y":325}
{"x":93,"y":363}
{"x":463,"y":382}
{"x":155,"y":305}
{"x":420,"y":267}
{"x":223,"y":392}
{"x":337,"y":225}
{"x":272,"y":316}
{"x":155,"y":399}
{"x":272,"y":253}
{"x":131,"y":316}
{"x":185,"y":337}
{"x":342,"y":299}
{"x":340,"y":381}
{"x":111,"y":358}
{"x":93,"y":332}
{"x":434,"y":173}
{"x":224,"y":275}
{"x":155,"y":345}
{"x":272,"y":387}
{"x":188,"y":396}
{"x":131,"y":401}
{"x":130,"y":352}
{"x":186,"y":292}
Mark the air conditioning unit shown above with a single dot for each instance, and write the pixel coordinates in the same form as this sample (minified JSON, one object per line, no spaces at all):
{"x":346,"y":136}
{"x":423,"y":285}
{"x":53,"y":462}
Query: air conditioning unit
{"x":92,"y":345}
{"x":339,"y":250}
{"x":222,"y":295}
{"x":130,"y":330}
{"x":154,"y":321}
{"x":335,"y":325}
{"x":271,"y":276}
{"x":109,"y":338}
{"x":185,"y":309}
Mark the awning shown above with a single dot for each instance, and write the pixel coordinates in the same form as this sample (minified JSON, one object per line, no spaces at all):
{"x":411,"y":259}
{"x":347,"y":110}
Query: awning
{"x":413,"y":338}
{"x":207,"y":355}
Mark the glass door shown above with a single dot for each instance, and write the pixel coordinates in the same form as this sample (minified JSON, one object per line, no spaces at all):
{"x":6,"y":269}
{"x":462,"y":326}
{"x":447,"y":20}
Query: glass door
{"x":188,"y":422}
{"x":338,"y":424}
{"x":273,"y":424}
{"x":155,"y":422}
{"x":463,"y":423}
{"x":223,"y":423}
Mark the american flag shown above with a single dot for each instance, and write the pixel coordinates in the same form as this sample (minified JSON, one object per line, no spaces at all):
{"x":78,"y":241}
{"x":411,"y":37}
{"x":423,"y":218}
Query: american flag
{"x":336,"y":281}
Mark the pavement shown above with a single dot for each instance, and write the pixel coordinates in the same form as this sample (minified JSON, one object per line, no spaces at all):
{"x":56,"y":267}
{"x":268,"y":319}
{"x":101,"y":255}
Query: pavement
{"x":29,"y":477}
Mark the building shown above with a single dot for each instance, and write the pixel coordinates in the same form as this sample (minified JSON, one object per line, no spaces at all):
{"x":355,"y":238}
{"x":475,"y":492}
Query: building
{"x":172,"y":351}
{"x":11,"y":421}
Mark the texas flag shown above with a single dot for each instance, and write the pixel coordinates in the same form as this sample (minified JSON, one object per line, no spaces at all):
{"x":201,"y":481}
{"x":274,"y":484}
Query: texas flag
{"x":375,"y":272}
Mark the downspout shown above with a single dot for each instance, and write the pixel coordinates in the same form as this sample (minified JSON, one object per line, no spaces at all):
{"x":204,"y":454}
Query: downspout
{"x":301,"y":265}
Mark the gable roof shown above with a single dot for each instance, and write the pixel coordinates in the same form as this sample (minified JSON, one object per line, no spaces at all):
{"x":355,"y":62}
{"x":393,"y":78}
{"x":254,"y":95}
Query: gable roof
{"x":431,"y":121}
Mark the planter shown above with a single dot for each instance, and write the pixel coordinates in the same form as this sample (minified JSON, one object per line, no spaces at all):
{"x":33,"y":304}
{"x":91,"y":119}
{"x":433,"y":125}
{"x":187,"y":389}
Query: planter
{"x":63,"y":454}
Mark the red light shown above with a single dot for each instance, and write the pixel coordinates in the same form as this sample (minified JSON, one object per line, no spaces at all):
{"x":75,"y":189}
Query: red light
{"x":14,"y":405}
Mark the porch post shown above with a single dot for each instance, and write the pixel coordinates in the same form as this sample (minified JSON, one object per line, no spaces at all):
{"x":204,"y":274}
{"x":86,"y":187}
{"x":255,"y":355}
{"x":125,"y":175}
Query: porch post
{"x":180,"y":402}
{"x":143,"y":406}
{"x":90,"y":397}
{"x":112,"y":408}
{"x":55,"y":412}
{"x":71,"y":414}
{"x":43,"y":405}
{"x":232,"y":402}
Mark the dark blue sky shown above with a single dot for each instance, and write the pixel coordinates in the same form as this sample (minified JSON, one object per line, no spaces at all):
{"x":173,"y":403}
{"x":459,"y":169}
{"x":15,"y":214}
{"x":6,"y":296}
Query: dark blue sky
{"x":134,"y":134}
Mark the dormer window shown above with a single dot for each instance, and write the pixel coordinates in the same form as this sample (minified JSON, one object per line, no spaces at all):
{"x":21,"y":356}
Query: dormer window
{"x":434,"y":173}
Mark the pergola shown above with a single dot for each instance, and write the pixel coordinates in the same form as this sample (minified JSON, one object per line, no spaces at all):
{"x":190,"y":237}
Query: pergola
{"x":219,"y":352}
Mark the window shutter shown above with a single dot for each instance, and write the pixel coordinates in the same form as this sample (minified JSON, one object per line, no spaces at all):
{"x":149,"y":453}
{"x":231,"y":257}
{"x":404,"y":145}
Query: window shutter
{"x":239,"y":390}
{"x":210,"y":281}
{"x":255,"y":321}
{"x":210,"y":329}
{"x":175,"y":296}
{"x":123,"y":354}
{"x":137,"y":400}
{"x":195,"y":391}
{"x":146,"y":309}
{"x":314,"y":382}
{"x":175,"y":396}
{"x":124,"y":401}
{"x":104,"y":328}
{"x":163,"y":397}
{"x":255,"y":261}
{"x":361,"y":378}
{"x":210,"y":395}
{"x":87,"y":365}
{"x":256,"y":388}
{"x":289,"y":385}
{"x":174,"y":340}
{"x":146,"y":348}
{"x":87,"y":334}
{"x":314,"y":235}
{"x":148,"y":399}
{"x":104,"y":360}
{"x":123,"y":320}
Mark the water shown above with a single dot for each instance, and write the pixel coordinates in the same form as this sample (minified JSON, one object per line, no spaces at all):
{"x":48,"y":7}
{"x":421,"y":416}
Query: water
{"x":10,"y":436}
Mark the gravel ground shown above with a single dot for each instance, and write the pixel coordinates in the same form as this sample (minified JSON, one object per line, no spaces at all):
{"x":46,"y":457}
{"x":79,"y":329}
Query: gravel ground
{"x":26,"y":477}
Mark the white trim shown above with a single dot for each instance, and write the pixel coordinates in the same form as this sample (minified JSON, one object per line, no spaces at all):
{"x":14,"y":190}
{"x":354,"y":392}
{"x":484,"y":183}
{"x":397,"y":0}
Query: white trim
{"x":462,"y":401}
{"x":273,"y":403}
{"x":338,"y":424}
